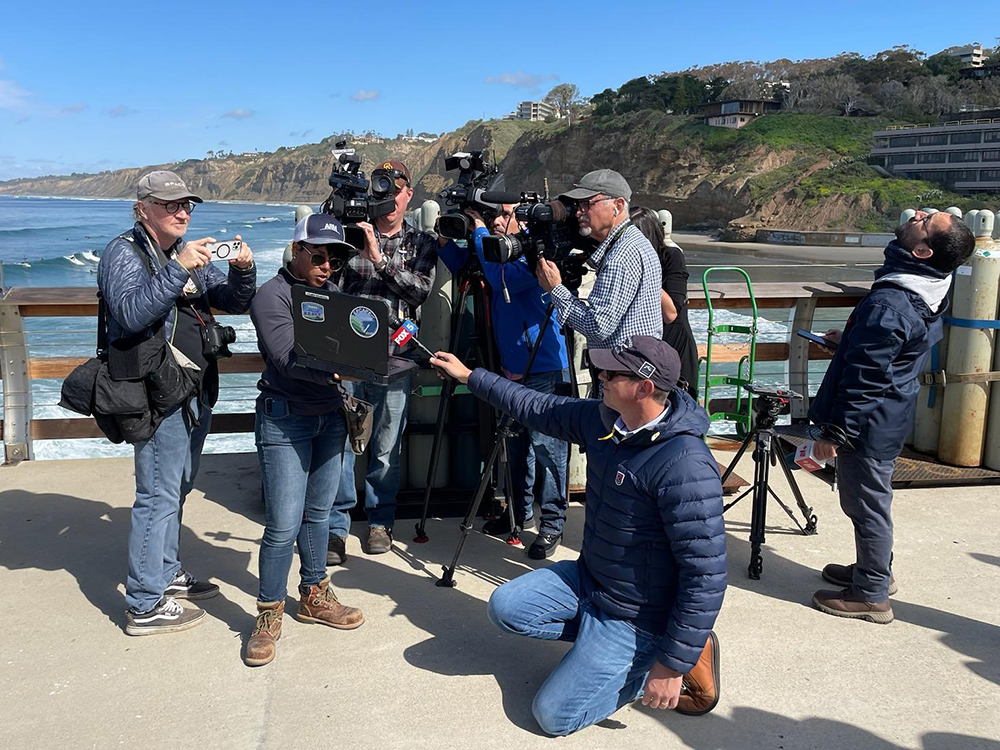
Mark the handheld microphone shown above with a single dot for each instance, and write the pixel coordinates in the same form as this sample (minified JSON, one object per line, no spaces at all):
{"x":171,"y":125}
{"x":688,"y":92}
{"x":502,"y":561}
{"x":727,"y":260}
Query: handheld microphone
{"x":499,"y":196}
{"x":406,"y":331}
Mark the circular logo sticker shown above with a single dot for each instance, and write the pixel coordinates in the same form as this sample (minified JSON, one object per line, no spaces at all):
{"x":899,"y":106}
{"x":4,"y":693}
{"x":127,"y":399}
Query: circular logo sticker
{"x":364,"y":322}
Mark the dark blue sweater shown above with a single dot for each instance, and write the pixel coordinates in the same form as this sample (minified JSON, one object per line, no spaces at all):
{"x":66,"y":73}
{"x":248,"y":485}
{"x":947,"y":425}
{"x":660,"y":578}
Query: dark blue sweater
{"x":654,"y":547}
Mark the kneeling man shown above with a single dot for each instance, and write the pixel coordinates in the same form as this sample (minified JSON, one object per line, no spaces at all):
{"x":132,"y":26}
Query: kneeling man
{"x":640,"y":602}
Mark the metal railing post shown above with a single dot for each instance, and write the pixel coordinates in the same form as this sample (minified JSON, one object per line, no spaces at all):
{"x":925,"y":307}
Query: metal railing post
{"x":16,"y":386}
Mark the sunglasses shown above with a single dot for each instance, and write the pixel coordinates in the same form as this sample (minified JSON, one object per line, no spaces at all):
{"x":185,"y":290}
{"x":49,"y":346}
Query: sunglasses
{"x":173,"y":207}
{"x":318,"y":260}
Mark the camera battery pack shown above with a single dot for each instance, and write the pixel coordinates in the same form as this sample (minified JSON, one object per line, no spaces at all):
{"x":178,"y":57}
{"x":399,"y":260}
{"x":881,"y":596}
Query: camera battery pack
{"x":806,"y":459}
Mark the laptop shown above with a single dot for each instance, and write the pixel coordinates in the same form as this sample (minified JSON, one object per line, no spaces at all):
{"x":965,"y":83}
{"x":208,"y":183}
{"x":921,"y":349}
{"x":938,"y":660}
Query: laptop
{"x":345,"y":334}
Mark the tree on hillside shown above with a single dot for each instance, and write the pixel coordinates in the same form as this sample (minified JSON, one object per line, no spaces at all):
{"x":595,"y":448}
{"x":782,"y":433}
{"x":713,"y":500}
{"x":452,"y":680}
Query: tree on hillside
{"x":943,"y":64}
{"x":564,"y":97}
{"x":714,"y":88}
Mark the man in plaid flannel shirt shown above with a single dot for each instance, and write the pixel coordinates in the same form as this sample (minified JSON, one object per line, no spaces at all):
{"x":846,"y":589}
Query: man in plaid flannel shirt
{"x":396,"y":265}
{"x":625,"y":300}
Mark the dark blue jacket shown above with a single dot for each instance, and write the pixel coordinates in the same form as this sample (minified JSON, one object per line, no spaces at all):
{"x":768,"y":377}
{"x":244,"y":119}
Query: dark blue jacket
{"x":870,"y":389}
{"x":654,"y":548}
{"x":527,"y":306}
{"x":137,"y":302}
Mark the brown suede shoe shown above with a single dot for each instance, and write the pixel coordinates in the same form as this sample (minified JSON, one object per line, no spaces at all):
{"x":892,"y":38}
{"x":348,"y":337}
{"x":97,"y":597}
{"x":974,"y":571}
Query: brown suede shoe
{"x":700,"y":693}
{"x":379,"y":540}
{"x":843,"y":575}
{"x":319,"y":604}
{"x":845,"y":603}
{"x":266,"y":632}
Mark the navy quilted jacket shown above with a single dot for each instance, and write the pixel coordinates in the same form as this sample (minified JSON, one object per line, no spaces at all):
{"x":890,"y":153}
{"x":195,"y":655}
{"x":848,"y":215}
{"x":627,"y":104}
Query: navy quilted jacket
{"x":136,"y":301}
{"x":654,"y":547}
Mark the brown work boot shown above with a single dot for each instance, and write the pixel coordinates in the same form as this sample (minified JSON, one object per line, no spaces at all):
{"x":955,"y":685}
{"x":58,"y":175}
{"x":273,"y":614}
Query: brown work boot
{"x":266,"y":632}
{"x":336,"y":550}
{"x":843,"y":575}
{"x":319,"y":604}
{"x":379,"y":540}
{"x":700,"y":688}
{"x":846,"y":603}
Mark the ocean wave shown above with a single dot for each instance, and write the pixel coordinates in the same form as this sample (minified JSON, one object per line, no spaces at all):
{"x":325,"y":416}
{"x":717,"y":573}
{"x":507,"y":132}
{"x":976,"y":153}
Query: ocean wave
{"x":265,"y":219}
{"x":22,"y":231}
{"x":90,"y":255}
{"x":74,"y":260}
{"x":84,"y":258}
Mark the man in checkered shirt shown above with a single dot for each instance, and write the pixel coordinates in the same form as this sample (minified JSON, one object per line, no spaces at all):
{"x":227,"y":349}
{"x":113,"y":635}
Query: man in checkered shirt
{"x":396,"y":265}
{"x":625,"y":300}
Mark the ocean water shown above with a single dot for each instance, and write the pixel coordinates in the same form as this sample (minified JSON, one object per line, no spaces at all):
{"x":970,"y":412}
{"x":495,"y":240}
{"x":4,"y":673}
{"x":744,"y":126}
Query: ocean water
{"x":57,"y":242}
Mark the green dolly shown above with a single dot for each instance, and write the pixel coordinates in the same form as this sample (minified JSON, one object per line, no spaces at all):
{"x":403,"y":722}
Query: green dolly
{"x":742,"y":415}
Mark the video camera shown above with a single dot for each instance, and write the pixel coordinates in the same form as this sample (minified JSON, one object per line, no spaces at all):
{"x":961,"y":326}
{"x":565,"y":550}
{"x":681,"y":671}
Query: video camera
{"x":552,"y":232}
{"x":476,"y":176}
{"x":349,"y":199}
{"x":770,"y":402}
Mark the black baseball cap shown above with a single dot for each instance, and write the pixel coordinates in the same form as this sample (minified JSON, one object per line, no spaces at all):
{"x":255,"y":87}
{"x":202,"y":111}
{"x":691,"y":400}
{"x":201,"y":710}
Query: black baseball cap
{"x":646,"y":357}
{"x":320,"y":229}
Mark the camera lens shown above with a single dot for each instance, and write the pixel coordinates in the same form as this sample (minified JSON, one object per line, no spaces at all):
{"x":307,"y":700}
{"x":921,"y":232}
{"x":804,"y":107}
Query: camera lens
{"x":227,"y":334}
{"x":382,"y":184}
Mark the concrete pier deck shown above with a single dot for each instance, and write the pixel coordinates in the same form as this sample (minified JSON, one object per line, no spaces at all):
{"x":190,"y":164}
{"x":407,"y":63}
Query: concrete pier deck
{"x":427,"y":669}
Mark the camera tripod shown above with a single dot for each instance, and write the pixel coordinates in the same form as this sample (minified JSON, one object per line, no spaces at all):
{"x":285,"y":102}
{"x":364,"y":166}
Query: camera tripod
{"x":767,"y":406}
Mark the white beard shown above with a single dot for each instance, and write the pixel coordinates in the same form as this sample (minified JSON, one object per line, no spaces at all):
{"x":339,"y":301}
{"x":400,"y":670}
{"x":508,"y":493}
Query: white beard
{"x":585,"y":231}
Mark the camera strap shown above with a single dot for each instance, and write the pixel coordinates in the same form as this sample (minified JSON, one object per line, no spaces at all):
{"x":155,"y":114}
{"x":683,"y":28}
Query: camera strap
{"x":611,"y":244}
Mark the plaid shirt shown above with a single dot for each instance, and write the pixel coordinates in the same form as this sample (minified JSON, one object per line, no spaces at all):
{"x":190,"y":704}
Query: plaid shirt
{"x":625,"y":300}
{"x":406,"y":280}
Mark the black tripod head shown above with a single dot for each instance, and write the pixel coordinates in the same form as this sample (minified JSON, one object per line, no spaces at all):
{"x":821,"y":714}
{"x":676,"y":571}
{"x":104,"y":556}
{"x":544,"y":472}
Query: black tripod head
{"x":769,"y":402}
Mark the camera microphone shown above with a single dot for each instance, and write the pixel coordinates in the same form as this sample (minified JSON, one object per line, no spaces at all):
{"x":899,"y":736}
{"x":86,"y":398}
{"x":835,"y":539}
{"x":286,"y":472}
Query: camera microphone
{"x":499,"y":196}
{"x":406,"y":331}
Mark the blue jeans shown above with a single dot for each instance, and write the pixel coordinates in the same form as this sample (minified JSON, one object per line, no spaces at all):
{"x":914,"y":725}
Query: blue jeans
{"x":530,"y":449}
{"x":165,"y":467}
{"x":608,"y":663}
{"x":866,"y":497}
{"x":390,"y":403}
{"x":300,"y":463}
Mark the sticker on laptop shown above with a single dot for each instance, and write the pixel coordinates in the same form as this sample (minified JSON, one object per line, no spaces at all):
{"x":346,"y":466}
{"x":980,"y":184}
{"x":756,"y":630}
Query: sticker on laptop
{"x":313,"y":312}
{"x":363,"y":322}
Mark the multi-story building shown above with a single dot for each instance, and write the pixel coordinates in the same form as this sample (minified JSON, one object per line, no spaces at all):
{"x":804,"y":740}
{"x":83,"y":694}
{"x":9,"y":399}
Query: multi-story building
{"x":961,"y":153}
{"x":737,"y":113}
{"x":973,"y":56}
{"x":534,"y":111}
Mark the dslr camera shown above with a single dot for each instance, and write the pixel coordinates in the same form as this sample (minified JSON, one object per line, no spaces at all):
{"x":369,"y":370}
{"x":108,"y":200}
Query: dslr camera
{"x":215,"y":340}
{"x":475,"y":177}
{"x":349,"y":198}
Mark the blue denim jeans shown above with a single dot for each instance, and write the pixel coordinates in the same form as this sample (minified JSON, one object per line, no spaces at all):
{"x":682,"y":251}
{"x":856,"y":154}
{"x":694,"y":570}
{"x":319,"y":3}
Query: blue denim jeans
{"x":390,"y":405}
{"x":300,"y":463}
{"x":608,"y":663}
{"x":866,"y":497}
{"x":165,"y":467}
{"x":531,"y":450}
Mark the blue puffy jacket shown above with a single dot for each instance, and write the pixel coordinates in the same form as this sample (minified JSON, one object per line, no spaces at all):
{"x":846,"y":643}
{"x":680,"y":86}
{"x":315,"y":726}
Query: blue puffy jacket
{"x":654,"y":548}
{"x":869,"y":392}
{"x":136,"y":301}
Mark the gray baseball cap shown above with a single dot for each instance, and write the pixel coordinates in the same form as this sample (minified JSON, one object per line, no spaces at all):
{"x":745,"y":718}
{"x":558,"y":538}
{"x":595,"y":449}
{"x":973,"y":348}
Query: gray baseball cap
{"x":600,"y":182}
{"x":164,"y":186}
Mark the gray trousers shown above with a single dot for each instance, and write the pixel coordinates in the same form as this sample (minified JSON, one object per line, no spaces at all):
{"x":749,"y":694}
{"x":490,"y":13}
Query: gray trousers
{"x":866,"y":496}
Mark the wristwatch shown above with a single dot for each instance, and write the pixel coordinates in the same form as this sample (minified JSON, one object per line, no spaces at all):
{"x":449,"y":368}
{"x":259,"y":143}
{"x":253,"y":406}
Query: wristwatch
{"x":380,"y":266}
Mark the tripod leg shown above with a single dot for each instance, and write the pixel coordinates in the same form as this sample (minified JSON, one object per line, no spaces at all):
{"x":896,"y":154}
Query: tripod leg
{"x":442,"y":417}
{"x":448,"y":579}
{"x":736,"y":459}
{"x":759,"y":512}
{"x":574,"y":391}
{"x":807,"y":512}
{"x":514,"y":538}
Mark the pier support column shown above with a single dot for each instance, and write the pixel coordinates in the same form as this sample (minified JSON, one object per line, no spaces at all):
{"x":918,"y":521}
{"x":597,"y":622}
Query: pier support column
{"x":798,"y":357}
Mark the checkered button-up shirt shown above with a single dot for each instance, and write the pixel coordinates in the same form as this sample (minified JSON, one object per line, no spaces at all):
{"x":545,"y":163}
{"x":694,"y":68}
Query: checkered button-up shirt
{"x":625,"y":300}
{"x":406,"y":280}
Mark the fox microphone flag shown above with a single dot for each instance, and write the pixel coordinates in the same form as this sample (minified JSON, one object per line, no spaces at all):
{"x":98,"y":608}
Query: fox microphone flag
{"x":406,"y":332}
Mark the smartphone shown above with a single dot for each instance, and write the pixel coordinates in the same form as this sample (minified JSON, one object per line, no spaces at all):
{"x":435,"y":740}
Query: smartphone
{"x":228,"y":250}
{"x":815,"y":338}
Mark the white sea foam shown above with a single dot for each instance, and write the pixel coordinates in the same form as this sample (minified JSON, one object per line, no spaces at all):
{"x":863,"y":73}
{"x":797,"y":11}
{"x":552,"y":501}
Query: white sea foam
{"x":74,"y":260}
{"x":264,"y":219}
{"x":91,"y":256}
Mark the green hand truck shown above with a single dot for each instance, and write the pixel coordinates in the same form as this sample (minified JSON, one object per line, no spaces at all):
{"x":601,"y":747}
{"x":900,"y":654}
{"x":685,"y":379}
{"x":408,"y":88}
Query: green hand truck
{"x":742,"y":414}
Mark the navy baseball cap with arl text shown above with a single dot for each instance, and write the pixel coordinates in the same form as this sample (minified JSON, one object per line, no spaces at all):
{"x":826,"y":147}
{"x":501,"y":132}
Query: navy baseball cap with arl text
{"x":646,"y":357}
{"x":320,"y":229}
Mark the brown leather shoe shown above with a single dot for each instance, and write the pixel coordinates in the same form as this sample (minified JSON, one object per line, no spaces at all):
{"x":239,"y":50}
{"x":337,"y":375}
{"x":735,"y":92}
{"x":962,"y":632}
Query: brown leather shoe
{"x":264,"y":640}
{"x":379,"y":540}
{"x":700,"y":693}
{"x":336,"y":550}
{"x":845,"y":603}
{"x":843,"y":575}
{"x":319,"y":604}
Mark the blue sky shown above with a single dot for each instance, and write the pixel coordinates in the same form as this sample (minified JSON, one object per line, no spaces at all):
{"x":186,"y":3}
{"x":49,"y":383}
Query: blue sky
{"x":92,"y":86}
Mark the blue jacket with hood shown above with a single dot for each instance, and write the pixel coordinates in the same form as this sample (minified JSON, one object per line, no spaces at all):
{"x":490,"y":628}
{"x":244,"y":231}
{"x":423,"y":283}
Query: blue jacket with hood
{"x":867,"y":399}
{"x":653,"y":550}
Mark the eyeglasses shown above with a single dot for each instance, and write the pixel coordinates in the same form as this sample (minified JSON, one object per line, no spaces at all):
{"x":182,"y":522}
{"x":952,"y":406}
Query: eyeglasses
{"x":610,"y":375}
{"x":174,"y":206}
{"x":584,"y":206}
{"x":319,"y":260}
